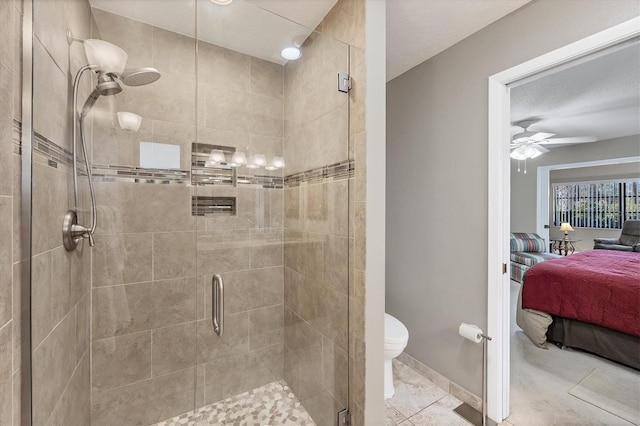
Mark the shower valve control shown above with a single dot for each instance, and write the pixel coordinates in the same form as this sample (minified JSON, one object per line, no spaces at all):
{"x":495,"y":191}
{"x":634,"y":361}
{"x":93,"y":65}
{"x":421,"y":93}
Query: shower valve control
{"x":344,"y":82}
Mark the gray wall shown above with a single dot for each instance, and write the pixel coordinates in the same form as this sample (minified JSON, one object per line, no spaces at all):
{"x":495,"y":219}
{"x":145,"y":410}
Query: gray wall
{"x":436,"y":272}
{"x":586,"y":174}
{"x":523,"y":186}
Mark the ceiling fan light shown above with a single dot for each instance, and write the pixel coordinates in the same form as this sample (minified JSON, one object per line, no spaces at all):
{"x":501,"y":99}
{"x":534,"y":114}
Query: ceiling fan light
{"x":516,"y":155}
{"x":537,"y":154}
{"x":519,"y":153}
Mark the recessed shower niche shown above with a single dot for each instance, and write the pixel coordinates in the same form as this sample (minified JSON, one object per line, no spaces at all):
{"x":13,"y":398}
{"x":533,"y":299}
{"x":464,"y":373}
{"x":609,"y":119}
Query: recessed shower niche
{"x":122,"y":333}
{"x":205,"y":171}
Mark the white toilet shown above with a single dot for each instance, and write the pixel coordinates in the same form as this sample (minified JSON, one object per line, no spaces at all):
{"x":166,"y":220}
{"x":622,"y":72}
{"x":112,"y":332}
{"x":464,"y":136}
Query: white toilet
{"x":396,"y":337}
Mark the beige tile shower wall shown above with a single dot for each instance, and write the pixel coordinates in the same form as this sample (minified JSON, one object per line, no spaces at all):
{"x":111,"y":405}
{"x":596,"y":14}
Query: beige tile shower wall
{"x":60,"y":280}
{"x":324,"y":222}
{"x":316,"y":124}
{"x":10,"y":264}
{"x":144,"y":276}
{"x":143,"y":304}
{"x":153,"y":343}
{"x":167,"y":106}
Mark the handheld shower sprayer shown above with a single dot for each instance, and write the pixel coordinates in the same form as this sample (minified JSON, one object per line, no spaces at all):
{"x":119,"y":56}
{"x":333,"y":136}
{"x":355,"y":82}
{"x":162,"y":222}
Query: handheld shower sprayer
{"x":107,"y":85}
{"x":109,"y":62}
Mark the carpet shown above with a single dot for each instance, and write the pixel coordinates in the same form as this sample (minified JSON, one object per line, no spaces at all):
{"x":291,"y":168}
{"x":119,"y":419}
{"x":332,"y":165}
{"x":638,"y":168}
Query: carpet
{"x":615,"y":392}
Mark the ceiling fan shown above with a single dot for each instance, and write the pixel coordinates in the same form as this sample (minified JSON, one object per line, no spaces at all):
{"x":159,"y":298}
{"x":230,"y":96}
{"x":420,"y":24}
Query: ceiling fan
{"x":527,"y":145}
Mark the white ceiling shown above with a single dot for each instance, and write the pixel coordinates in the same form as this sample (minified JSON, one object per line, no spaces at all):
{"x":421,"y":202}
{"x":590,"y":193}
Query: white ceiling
{"x":420,"y":29}
{"x":244,"y":25}
{"x":599,"y":97}
{"x":308,"y":13}
{"x":416,"y":29}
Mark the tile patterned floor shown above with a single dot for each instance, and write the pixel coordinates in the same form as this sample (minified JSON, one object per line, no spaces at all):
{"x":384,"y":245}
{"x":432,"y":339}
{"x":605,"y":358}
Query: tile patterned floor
{"x":271,"y":404}
{"x":419,"y":402}
{"x":541,"y":381}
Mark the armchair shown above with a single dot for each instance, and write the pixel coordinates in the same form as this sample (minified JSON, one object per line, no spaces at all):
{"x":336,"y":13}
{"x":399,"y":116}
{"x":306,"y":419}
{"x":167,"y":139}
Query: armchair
{"x":527,"y":249}
{"x":629,"y":239}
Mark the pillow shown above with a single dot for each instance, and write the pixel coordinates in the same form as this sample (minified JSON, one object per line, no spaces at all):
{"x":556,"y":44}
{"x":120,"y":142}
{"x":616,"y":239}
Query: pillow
{"x":533,"y":323}
{"x":527,"y":242}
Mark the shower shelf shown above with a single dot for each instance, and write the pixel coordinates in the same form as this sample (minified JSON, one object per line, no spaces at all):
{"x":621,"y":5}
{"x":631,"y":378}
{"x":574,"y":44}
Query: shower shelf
{"x":217,"y":175}
{"x":213,"y":206}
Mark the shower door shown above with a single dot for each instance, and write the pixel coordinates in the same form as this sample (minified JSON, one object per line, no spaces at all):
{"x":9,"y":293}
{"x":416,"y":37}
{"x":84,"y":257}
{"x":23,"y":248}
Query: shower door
{"x":275,"y":228}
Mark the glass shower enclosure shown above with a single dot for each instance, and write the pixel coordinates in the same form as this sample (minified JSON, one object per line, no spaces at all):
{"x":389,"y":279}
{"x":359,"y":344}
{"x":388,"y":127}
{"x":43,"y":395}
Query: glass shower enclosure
{"x":198,"y":155}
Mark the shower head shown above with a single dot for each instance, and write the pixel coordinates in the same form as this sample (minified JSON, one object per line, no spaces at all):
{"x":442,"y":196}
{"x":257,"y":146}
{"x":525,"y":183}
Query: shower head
{"x":107,"y":85}
{"x":140,"y":76}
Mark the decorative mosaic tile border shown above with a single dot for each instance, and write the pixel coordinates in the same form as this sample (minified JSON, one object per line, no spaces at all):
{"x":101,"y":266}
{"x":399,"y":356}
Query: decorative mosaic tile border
{"x":53,"y":152}
{"x":111,"y":173}
{"x":271,"y":182}
{"x":55,"y":155}
{"x":338,"y":171}
{"x":272,"y":404}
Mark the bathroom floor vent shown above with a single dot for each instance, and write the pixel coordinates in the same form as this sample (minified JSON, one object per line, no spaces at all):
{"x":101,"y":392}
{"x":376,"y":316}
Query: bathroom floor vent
{"x":213,"y":206}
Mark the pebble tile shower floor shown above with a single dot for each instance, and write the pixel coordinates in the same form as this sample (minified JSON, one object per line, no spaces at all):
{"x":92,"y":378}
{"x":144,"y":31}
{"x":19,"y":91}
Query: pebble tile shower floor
{"x":271,"y":404}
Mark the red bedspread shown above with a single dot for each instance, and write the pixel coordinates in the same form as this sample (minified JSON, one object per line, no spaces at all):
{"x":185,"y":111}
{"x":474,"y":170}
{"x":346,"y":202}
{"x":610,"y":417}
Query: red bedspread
{"x":597,"y":286}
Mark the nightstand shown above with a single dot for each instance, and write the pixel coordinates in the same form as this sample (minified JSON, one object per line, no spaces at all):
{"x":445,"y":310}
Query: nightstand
{"x":562,"y":246}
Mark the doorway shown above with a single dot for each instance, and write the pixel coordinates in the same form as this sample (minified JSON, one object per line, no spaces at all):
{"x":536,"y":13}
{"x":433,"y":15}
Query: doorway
{"x":498,"y":321}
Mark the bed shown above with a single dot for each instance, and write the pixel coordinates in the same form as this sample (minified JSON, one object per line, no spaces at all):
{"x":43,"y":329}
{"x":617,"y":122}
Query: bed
{"x":589,"y":300}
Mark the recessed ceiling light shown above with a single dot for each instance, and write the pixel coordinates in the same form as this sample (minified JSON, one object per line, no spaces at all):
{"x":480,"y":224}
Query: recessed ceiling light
{"x":222,"y":2}
{"x":291,"y":53}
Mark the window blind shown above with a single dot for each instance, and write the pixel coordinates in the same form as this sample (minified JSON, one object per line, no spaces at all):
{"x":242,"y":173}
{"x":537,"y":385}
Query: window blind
{"x":604,"y":204}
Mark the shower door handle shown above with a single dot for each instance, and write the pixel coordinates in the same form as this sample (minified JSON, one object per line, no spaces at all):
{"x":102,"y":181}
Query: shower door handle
{"x":217,"y":304}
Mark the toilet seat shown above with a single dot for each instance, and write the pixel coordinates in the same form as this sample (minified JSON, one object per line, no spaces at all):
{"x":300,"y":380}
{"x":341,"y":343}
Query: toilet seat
{"x":395,"y":332}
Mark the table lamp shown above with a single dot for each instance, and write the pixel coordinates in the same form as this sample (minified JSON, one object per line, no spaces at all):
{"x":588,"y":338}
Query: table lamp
{"x":566,"y":227}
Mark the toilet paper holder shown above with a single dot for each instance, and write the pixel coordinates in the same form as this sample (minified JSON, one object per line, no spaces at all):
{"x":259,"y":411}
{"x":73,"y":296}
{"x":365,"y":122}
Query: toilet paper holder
{"x":475,"y":334}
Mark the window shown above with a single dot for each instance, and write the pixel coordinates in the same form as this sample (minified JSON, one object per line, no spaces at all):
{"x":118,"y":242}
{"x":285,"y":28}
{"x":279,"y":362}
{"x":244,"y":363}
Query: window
{"x":605,"y":204}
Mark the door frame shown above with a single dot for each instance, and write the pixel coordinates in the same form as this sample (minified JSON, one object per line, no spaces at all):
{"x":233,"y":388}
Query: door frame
{"x":499,"y":186}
